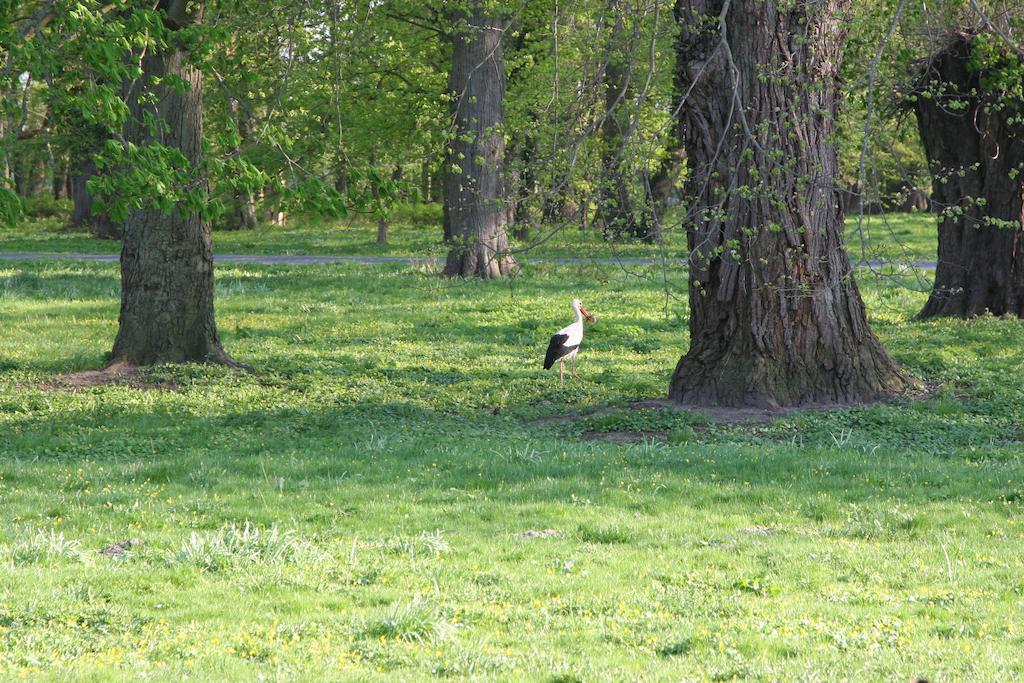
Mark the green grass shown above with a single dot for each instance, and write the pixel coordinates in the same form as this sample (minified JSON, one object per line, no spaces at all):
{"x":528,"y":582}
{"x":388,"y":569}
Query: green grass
{"x":897,"y":237}
{"x":885,"y":237}
{"x":358,"y":509}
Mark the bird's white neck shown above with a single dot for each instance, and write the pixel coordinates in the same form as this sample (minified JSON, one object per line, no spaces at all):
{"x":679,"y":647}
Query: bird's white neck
{"x":579,"y":315}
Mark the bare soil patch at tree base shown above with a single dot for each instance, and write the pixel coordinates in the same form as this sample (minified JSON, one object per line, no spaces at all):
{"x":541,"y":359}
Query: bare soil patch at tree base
{"x":118,"y":374}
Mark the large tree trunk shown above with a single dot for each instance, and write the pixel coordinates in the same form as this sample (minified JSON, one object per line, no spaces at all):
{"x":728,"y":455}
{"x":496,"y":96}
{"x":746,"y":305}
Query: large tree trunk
{"x":776,"y":318}
{"x":167,"y":259}
{"x":616,"y":209}
{"x":976,"y":156}
{"x":474,"y":187}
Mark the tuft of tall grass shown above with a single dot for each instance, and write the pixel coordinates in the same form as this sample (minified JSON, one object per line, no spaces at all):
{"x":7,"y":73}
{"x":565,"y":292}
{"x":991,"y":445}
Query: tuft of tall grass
{"x":234,"y":546}
{"x":423,"y":543}
{"x":414,"y":621}
{"x":44,"y":547}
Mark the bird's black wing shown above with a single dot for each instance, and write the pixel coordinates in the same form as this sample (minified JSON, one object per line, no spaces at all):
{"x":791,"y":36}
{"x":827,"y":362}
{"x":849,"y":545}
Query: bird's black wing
{"x":556,"y":349}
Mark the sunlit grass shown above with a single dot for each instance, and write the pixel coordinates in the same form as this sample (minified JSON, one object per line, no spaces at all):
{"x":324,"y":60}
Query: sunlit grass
{"x":900,"y":238}
{"x":391,"y":496}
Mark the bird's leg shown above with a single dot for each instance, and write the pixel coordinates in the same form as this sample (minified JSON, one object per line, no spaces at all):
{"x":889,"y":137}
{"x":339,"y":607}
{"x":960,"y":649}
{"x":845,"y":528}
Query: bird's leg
{"x":574,"y":373}
{"x":561,"y":373}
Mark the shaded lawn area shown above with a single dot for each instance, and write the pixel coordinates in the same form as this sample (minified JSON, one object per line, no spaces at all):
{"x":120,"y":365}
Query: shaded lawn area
{"x":885,"y":237}
{"x":359,"y":509}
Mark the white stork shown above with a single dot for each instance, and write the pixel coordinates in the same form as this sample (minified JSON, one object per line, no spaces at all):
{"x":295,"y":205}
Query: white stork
{"x":566,"y":343}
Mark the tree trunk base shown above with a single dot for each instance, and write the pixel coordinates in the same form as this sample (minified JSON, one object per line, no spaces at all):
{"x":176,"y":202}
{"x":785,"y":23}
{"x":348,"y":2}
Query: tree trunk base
{"x":956,"y":302}
{"x":120,"y":363}
{"x":473,"y":263}
{"x":736,"y":378}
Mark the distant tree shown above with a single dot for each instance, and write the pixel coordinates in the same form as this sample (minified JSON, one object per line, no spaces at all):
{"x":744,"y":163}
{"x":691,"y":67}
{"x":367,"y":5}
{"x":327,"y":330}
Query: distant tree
{"x":475,"y":211}
{"x":617,"y":210}
{"x":775,"y":314}
{"x":85,"y":214}
{"x":664,"y":179}
{"x":83,"y":141}
{"x":243,"y":200}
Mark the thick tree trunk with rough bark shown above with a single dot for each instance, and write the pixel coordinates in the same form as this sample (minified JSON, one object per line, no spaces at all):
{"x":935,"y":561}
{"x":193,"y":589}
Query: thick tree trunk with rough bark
{"x":474,"y":187}
{"x":167,"y":259}
{"x":776,"y":318}
{"x":976,"y":156}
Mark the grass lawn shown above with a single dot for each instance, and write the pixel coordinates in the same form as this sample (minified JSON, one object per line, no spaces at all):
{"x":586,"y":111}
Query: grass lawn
{"x":885,"y":237}
{"x":393,"y":498}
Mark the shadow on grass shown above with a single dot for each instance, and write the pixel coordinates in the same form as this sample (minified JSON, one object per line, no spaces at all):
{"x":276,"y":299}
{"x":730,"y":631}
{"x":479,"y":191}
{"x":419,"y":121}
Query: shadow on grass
{"x":421,"y":453}
{"x":60,"y":282}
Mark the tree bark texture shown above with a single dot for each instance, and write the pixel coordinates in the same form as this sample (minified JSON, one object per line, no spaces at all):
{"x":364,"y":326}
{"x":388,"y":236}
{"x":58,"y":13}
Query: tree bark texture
{"x":776,"y":318}
{"x":975,"y":153}
{"x":167,"y":259}
{"x":474,"y":187}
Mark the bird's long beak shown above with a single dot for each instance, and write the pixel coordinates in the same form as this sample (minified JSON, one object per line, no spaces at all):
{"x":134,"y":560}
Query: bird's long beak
{"x":586,"y":315}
